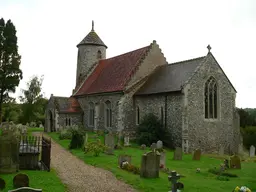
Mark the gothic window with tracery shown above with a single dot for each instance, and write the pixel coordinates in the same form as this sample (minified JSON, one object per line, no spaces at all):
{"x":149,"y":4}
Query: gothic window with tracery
{"x":108,"y":114}
{"x":211,"y":99}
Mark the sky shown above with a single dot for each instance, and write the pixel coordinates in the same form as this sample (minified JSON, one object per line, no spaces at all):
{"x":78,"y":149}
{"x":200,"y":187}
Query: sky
{"x":49,"y":30}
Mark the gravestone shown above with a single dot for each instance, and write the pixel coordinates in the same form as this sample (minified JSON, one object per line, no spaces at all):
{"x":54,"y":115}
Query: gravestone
{"x":153,"y":146}
{"x":235,"y":162}
{"x":85,"y":139}
{"x":126,"y":141}
{"x":110,"y":143}
{"x":150,"y":165}
{"x":197,"y":155}
{"x":124,"y":158}
{"x":2,"y":184}
{"x":221,"y":150}
{"x":162,"y":159}
{"x":143,"y":147}
{"x":173,"y":178}
{"x":177,"y":154}
{"x":26,"y":189}
{"x":252,"y":151}
{"x":20,"y":180}
{"x":159,"y":144}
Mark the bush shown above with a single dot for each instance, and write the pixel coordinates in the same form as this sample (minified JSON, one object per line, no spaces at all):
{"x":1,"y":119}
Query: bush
{"x":77,"y":139}
{"x":95,"y":147}
{"x":65,"y":134}
{"x":151,"y":130}
{"x":131,"y":168}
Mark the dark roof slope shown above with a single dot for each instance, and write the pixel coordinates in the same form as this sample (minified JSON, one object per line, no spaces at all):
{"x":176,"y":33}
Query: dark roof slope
{"x":92,"y":39}
{"x":67,"y":104}
{"x":111,"y":75}
{"x":170,"y":78}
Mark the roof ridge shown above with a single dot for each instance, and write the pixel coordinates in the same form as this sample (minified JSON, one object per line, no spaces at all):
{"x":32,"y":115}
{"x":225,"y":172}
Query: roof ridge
{"x":184,"y":61}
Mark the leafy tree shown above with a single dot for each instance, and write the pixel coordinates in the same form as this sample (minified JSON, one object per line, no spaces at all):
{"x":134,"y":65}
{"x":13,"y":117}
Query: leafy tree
{"x":10,"y":73}
{"x":11,"y":110}
{"x":33,"y":103}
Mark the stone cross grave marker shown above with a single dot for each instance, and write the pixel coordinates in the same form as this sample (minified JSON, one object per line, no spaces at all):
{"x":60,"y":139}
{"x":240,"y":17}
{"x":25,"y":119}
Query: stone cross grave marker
{"x":235,"y":162}
{"x":26,"y":189}
{"x":252,"y":151}
{"x":159,"y":144}
{"x":153,"y":146}
{"x":110,"y":143}
{"x":126,"y":141}
{"x":221,"y":150}
{"x":124,"y":158}
{"x":150,"y":165}
{"x":197,"y":155}
{"x":162,"y":159}
{"x":173,"y":178}
{"x":143,"y":147}
{"x":177,"y":154}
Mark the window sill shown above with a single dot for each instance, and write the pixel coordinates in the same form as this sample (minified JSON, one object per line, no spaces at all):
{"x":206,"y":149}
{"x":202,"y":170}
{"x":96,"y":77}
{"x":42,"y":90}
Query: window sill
{"x":211,"y":120}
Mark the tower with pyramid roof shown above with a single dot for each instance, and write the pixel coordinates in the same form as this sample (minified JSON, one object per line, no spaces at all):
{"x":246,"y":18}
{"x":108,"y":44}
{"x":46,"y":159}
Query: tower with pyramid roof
{"x":90,"y":50}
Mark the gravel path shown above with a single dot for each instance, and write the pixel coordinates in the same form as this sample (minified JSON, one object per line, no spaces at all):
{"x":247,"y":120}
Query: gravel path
{"x":80,"y":177}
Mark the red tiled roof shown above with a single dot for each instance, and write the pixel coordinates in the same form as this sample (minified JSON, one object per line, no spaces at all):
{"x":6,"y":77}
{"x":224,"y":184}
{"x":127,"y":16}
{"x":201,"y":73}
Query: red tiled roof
{"x":112,"y":74}
{"x":73,"y":106}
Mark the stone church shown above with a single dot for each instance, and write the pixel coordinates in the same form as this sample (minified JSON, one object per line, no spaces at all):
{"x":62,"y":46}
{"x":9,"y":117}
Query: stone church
{"x":193,"y":98}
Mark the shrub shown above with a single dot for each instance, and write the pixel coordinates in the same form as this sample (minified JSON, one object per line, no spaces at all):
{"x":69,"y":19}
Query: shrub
{"x":131,"y":168}
{"x":151,"y":130}
{"x":2,"y":184}
{"x":77,"y":139}
{"x":95,"y":147}
{"x":65,"y":134}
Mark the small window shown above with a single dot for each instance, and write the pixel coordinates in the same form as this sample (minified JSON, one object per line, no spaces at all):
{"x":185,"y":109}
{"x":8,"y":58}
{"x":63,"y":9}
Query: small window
{"x":108,"y":114}
{"x":137,"y":115}
{"x":99,"y":55}
{"x":69,"y":122}
{"x":91,"y":114}
{"x":66,"y":121}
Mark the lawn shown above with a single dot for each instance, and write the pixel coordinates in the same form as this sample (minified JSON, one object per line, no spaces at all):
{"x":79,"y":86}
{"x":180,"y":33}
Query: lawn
{"x":48,"y":181}
{"x":193,"y":182}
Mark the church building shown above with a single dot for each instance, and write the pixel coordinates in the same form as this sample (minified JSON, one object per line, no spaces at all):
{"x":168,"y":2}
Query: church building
{"x":194,"y":98}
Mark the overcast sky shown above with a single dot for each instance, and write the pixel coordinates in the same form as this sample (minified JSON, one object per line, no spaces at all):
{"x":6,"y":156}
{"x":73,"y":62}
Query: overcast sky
{"x":49,"y":30}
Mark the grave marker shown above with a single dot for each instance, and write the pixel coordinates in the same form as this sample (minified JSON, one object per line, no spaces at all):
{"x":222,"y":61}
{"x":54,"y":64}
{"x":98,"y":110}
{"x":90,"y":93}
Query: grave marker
{"x":20,"y":180}
{"x":159,"y":144}
{"x":110,"y":143}
{"x":173,"y":178}
{"x":150,"y":165}
{"x":177,"y":154}
{"x":235,"y":162}
{"x":153,"y":146}
{"x":252,"y":151}
{"x":197,"y":155}
{"x":124,"y":158}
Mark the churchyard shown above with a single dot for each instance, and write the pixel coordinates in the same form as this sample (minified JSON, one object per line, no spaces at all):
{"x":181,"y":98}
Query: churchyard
{"x":197,"y":172}
{"x":15,"y":175}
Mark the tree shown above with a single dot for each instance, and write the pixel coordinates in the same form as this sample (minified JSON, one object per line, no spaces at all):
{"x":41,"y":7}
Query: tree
{"x":32,"y":100}
{"x":10,"y":72}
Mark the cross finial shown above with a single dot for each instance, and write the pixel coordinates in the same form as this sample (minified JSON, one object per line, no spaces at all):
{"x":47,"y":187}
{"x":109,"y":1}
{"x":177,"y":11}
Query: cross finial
{"x":92,"y":25}
{"x":209,"y":48}
{"x":174,"y":177}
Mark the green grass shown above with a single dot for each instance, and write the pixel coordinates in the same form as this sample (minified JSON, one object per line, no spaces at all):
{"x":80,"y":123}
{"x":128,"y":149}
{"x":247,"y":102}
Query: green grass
{"x":193,"y":182}
{"x":48,"y":181}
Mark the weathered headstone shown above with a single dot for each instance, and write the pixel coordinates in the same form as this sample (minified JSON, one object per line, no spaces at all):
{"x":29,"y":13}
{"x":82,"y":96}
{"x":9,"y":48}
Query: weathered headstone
{"x":173,"y":178}
{"x":2,"y":184}
{"x":221,"y":150}
{"x":124,"y":158}
{"x":143,"y":147}
{"x":162,"y":159}
{"x":126,"y":141}
{"x":235,"y":162}
{"x":26,"y":189}
{"x":177,"y":154}
{"x":197,"y":155}
{"x":252,"y":151}
{"x":150,"y":165}
{"x":159,"y":144}
{"x":20,"y":180}
{"x":110,"y":143}
{"x":153,"y":146}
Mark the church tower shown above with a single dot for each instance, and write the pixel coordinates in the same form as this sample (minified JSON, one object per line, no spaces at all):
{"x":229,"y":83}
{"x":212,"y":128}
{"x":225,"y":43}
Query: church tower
{"x":90,"y":50}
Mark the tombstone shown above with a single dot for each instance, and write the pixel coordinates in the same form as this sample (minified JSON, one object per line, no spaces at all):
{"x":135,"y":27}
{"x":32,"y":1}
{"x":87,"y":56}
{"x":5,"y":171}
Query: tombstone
{"x":153,"y":146}
{"x":143,"y":147}
{"x":2,"y":184}
{"x":221,"y":150}
{"x":150,"y":165}
{"x":159,"y":144}
{"x":252,"y":151}
{"x":162,"y":159}
{"x":177,"y":154}
{"x":20,"y":180}
{"x":110,"y":143}
{"x":124,"y":158}
{"x":173,"y":178}
{"x":235,"y":162}
{"x":197,"y":155}
{"x":126,"y":141}
{"x":26,"y":189}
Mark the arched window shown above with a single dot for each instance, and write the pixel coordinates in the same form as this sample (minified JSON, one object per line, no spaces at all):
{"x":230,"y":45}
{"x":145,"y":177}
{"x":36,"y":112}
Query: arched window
{"x":99,"y":54}
{"x":137,"y":115}
{"x":69,"y":121}
{"x":91,"y":114}
{"x":66,"y":121}
{"x":108,"y":114}
{"x":211,"y":99}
